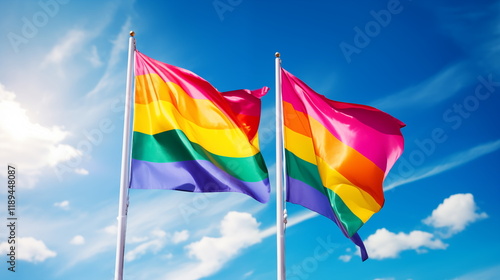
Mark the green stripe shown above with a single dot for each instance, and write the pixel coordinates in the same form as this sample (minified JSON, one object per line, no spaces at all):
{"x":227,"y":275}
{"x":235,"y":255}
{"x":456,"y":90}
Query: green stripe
{"x":307,"y":172}
{"x":174,"y":146}
{"x":304,"y":171}
{"x":350,"y":221}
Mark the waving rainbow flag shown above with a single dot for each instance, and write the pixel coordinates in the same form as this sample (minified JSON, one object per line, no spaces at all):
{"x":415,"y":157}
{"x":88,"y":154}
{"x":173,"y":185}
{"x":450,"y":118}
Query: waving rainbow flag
{"x":337,"y":154}
{"x":190,"y":137}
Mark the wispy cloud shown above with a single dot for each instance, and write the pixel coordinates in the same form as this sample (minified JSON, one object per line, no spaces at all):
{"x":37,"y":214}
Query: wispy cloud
{"x":475,"y":28}
{"x":489,"y":273}
{"x":110,"y":78}
{"x":68,"y":46}
{"x":63,"y":204}
{"x":443,"y":85}
{"x":93,"y":57}
{"x":460,"y":23}
{"x":106,"y":98}
{"x":153,"y":245}
{"x":248,"y":274}
{"x":448,"y":163}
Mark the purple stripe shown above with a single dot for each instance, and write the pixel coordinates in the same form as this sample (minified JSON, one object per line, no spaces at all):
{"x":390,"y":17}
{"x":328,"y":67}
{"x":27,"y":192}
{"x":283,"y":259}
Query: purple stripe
{"x":193,"y":176}
{"x":301,"y":193}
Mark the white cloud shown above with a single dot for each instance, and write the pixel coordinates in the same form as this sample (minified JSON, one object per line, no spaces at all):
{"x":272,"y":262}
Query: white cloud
{"x":77,"y":240}
{"x":385,"y":244}
{"x":154,"y":244}
{"x":111,"y":229}
{"x":63,"y":204}
{"x":180,"y":236}
{"x":81,"y":171}
{"x":60,"y":153}
{"x":348,"y":256}
{"x":345,"y":258}
{"x":238,"y":231}
{"x":28,"y":144}
{"x":455,"y":213}
{"x":450,"y":162}
{"x":29,"y":249}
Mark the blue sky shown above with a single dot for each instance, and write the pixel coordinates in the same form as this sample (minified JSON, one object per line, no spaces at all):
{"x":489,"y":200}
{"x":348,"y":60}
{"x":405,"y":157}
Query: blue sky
{"x":432,"y":64}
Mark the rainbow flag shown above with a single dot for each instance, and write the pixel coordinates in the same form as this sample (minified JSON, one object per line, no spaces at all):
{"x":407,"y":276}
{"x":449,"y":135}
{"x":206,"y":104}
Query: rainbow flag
{"x":188,"y":136}
{"x":337,"y":154}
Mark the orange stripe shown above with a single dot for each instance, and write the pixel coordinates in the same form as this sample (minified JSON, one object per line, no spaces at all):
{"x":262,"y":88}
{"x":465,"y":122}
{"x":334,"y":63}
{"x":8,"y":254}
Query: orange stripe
{"x":151,"y":87}
{"x":295,"y":120}
{"x":354,"y":166}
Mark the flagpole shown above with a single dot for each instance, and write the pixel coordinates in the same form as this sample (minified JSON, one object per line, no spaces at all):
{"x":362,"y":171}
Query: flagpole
{"x":125,"y":166}
{"x":280,"y":239}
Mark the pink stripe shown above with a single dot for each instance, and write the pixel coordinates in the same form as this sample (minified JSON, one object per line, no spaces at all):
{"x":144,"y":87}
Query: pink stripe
{"x":192,"y":84}
{"x":246,"y":101}
{"x":371,"y":132}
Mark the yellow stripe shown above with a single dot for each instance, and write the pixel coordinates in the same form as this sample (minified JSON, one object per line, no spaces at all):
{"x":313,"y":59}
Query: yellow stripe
{"x":160,"y":116}
{"x":255,"y":141}
{"x":361,"y":203}
{"x":151,"y":88}
{"x":301,"y":145}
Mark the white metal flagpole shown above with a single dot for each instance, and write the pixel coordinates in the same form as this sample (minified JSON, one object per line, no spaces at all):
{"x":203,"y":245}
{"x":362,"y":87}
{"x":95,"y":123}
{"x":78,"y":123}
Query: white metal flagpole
{"x":280,"y":239}
{"x":125,"y":167}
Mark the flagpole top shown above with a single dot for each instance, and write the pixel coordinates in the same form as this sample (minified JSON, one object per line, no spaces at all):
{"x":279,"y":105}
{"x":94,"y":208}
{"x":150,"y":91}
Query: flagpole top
{"x":277,"y":54}
{"x":132,"y":33}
